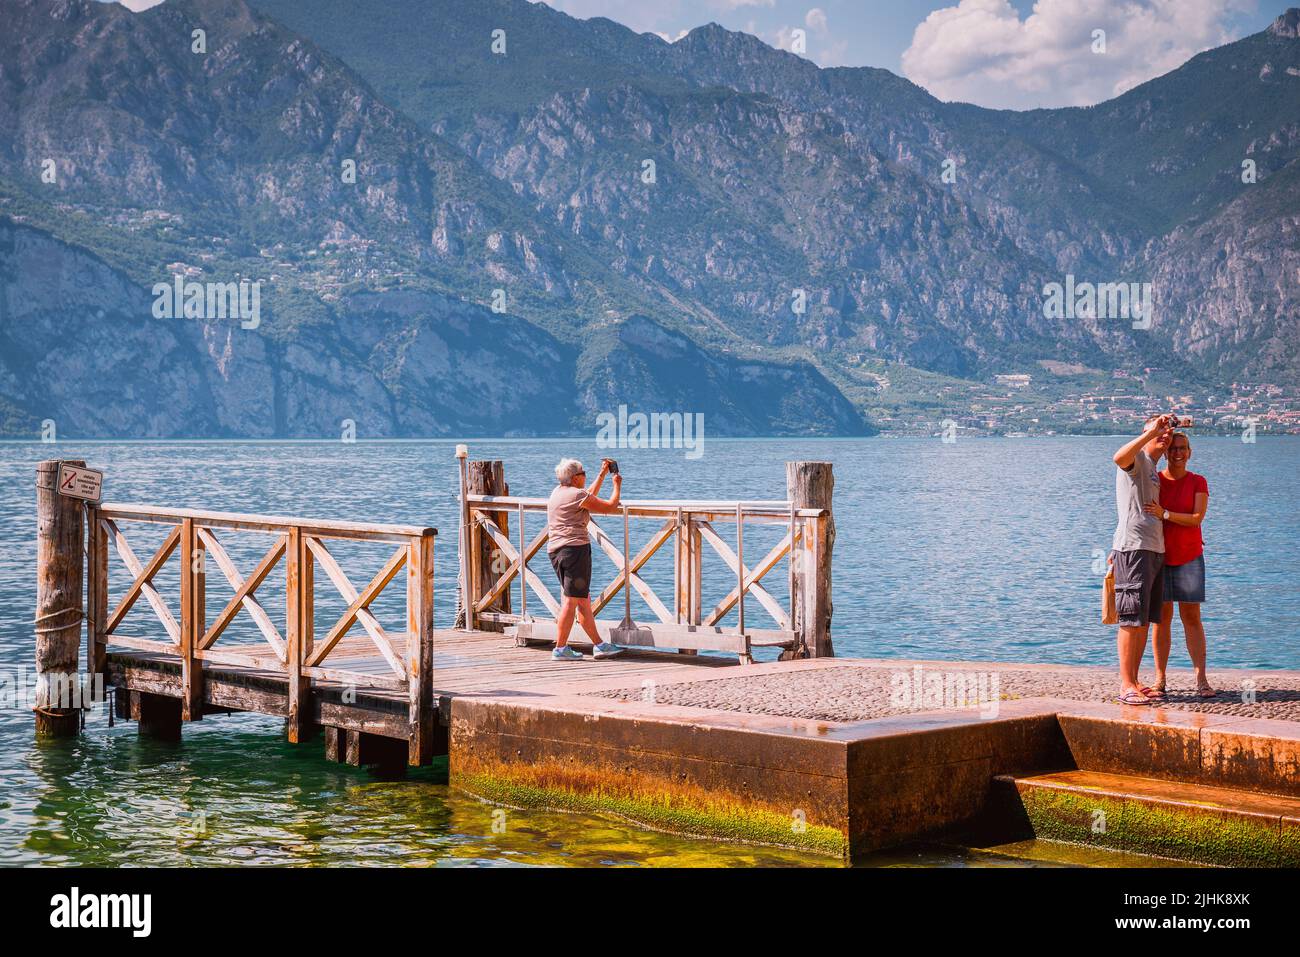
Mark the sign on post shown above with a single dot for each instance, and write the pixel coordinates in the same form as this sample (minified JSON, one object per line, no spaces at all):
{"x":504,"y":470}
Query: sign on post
{"x":77,"y":481}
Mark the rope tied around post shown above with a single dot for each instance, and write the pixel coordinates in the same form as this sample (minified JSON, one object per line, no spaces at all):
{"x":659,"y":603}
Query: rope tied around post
{"x":47,"y":629}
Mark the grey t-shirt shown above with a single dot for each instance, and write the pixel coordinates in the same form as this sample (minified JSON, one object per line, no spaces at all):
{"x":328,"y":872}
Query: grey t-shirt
{"x":567,"y":518}
{"x":1133,"y":489}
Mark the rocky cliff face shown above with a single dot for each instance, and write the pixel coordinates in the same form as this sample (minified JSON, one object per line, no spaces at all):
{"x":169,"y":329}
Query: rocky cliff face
{"x":1233,"y":282}
{"x":941,"y":275}
{"x":80,"y":345}
{"x":774,"y":219}
{"x":709,"y":225}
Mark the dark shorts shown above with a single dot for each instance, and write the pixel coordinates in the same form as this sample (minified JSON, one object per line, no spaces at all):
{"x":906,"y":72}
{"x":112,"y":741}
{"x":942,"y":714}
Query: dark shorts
{"x":1186,"y":582}
{"x":572,"y":564}
{"x":1139,"y":587}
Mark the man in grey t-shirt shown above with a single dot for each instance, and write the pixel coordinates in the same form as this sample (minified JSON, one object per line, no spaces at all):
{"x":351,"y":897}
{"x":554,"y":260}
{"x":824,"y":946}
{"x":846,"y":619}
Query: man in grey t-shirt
{"x":1139,"y":551}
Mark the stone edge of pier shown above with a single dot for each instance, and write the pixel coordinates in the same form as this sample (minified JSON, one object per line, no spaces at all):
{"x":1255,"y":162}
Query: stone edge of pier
{"x":847,"y":788}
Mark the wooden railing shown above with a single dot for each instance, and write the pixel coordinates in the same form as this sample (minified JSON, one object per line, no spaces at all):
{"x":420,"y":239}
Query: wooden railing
{"x":196,"y":538}
{"x":682,"y":622}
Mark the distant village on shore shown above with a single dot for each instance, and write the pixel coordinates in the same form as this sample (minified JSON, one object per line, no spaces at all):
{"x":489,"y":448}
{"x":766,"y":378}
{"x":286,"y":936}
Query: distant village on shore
{"x":1022,"y":403}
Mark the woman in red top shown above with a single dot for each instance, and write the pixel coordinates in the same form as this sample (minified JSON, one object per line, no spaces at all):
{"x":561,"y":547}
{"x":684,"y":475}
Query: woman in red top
{"x":1184,"y":497}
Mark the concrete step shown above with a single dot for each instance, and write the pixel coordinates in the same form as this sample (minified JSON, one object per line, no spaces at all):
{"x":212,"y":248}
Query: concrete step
{"x":1218,"y":750}
{"x":1193,"y":822}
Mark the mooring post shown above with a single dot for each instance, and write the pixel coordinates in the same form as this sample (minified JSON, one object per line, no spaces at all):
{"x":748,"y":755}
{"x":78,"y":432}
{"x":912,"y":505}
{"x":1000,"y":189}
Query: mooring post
{"x":60,"y":571}
{"x":810,"y":485}
{"x":485,"y":560}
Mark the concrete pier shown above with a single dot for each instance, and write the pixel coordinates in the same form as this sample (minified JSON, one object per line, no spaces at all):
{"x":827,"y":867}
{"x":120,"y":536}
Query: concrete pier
{"x":610,"y":737}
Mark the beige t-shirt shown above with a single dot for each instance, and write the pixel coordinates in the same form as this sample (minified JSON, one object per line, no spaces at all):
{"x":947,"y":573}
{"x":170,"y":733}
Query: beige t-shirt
{"x":566,"y":517}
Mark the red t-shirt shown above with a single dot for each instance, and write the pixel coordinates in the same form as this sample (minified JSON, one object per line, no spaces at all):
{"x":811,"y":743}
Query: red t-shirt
{"x":1183,"y":543}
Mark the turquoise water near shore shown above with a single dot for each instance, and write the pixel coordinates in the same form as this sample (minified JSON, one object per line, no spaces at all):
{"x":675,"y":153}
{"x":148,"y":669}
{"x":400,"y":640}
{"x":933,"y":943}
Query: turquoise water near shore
{"x":985,"y":549}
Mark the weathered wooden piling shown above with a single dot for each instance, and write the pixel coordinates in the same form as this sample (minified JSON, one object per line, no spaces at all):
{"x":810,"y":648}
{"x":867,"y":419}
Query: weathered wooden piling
{"x":360,"y":749}
{"x":157,"y":716}
{"x":811,"y":485}
{"x":60,"y":570}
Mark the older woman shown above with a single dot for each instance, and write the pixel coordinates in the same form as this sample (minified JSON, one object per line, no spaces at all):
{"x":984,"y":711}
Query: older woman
{"x":567,"y":513}
{"x":1184,"y":498}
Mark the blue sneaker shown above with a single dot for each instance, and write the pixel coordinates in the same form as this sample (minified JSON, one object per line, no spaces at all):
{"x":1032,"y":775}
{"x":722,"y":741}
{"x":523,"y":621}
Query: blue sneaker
{"x":607,"y":649}
{"x":565,"y":654}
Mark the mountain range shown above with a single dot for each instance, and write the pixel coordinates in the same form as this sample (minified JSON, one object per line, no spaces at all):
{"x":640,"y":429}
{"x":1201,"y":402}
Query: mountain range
{"x":453,"y":239}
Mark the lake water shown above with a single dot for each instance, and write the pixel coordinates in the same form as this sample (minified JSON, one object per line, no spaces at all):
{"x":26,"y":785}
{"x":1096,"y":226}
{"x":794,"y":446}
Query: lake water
{"x":985,"y":549}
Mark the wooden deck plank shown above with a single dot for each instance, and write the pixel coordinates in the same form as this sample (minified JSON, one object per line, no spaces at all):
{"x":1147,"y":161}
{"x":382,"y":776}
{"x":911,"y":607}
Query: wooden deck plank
{"x":463,"y":663}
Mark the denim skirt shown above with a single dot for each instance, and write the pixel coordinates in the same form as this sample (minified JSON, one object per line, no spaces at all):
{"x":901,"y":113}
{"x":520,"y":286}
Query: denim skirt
{"x":1186,"y":582}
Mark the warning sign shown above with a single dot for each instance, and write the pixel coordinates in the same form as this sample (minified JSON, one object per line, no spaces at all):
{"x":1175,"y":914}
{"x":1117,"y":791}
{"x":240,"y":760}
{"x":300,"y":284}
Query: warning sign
{"x":77,"y":481}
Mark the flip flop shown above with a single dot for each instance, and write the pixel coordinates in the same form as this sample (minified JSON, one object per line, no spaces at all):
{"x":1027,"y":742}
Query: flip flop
{"x":1153,"y":694}
{"x":1133,"y":698}
{"x":1205,"y":691}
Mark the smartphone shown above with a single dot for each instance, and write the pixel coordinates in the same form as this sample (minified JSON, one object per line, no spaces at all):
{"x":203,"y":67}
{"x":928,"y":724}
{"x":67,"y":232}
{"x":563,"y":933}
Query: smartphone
{"x":613,"y":467}
{"x":1181,"y":423}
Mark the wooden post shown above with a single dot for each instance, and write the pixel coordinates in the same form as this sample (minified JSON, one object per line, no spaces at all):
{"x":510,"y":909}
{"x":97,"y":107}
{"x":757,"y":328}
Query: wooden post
{"x":97,"y":594}
{"x":336,"y":744}
{"x":306,"y":628}
{"x":59,"y":608}
{"x":683,"y":569}
{"x":486,"y":565}
{"x":419,"y":647}
{"x":696,"y":572}
{"x":299,"y":621}
{"x":159,"y":716}
{"x":811,"y":485}
{"x":362,"y":749}
{"x":746,"y":658}
{"x":193,"y":618}
{"x":464,"y":614}
{"x":691,"y":570}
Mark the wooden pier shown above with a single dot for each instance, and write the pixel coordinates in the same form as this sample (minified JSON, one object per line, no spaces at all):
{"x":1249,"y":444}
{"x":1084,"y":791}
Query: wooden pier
{"x":491,"y":561}
{"x":379,"y":694}
{"x":524,"y":730}
{"x":362,"y":721}
{"x":297,"y":674}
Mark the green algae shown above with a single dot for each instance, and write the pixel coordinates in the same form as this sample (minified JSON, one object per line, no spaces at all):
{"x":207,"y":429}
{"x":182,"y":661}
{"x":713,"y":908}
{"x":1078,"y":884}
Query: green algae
{"x":1203,"y":834}
{"x":716,"y":819}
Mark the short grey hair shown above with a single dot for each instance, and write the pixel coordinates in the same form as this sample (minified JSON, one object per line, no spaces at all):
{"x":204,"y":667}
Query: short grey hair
{"x":566,"y":470}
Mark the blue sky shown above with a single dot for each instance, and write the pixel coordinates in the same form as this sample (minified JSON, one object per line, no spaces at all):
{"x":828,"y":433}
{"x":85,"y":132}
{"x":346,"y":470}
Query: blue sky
{"x":1001,"y":53}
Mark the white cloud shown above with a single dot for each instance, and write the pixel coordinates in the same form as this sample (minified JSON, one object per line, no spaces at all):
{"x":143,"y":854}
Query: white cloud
{"x":783,"y":38}
{"x":138,"y":5}
{"x":815,"y":19}
{"x":980,"y":51}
